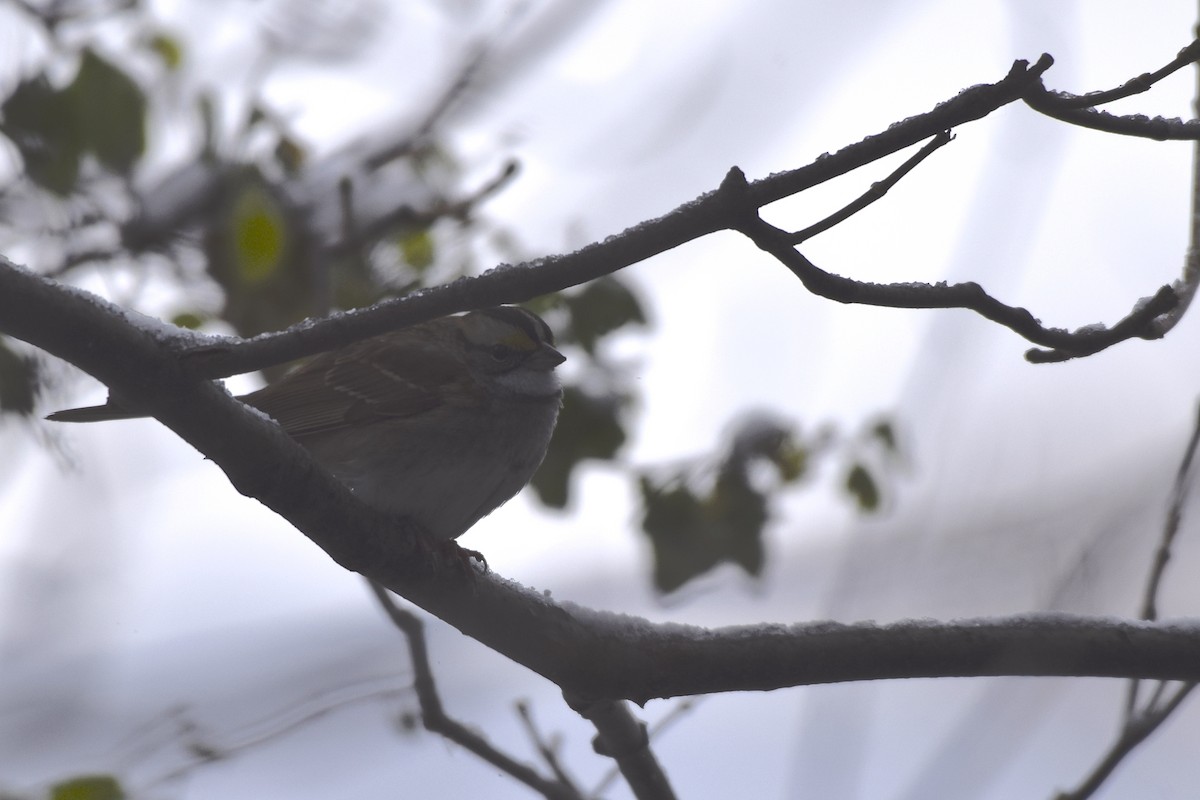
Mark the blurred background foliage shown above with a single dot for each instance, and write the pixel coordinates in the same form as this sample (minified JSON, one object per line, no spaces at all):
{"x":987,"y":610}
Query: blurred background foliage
{"x":252,"y":230}
{"x":193,"y":200}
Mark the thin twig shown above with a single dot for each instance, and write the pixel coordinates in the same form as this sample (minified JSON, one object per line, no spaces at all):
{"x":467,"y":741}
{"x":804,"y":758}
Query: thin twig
{"x":1179,"y":494}
{"x":547,"y":750}
{"x":876,"y":192}
{"x":434,"y":716}
{"x":1137,"y":723}
{"x":1142,"y":83}
{"x":1189,"y":281}
{"x":355,"y":238}
{"x":1133,"y":734}
{"x":453,"y":92}
{"x":202,"y":750}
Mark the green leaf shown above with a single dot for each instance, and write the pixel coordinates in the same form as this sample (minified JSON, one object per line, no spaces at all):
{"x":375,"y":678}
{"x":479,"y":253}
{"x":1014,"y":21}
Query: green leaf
{"x":188,"y":319}
{"x":792,"y":459}
{"x":672,"y":519}
{"x":416,"y":247}
{"x":168,"y":48}
{"x":691,"y":534}
{"x":863,"y":488}
{"x":88,"y":787}
{"x":739,"y":515}
{"x":110,"y":110}
{"x":589,"y":426}
{"x":18,"y":382}
{"x":601,"y":307}
{"x":290,"y":154}
{"x":39,"y":121}
{"x":259,"y":233}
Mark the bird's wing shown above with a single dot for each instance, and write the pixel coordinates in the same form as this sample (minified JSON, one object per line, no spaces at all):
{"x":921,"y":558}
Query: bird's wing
{"x":388,"y":377}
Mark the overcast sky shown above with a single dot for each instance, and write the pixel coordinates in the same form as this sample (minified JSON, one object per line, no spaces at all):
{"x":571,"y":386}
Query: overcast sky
{"x":136,"y":580}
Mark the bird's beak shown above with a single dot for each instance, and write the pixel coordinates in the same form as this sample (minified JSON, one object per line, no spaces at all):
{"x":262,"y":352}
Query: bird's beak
{"x":545,"y":357}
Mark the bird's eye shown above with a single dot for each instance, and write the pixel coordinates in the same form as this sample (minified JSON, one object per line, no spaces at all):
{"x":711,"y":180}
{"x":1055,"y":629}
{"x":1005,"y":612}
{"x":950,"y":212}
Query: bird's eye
{"x":501,"y":352}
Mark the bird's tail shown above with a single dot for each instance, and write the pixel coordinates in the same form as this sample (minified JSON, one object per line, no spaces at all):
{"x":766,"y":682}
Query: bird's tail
{"x":93,"y":414}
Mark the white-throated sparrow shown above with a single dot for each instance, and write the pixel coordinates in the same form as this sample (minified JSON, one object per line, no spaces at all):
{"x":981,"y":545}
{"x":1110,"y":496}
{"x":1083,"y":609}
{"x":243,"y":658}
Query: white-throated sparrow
{"x":441,"y":422}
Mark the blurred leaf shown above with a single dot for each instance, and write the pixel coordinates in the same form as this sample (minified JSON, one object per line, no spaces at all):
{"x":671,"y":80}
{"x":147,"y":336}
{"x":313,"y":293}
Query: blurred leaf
{"x":792,"y":459}
{"x":416,"y":247}
{"x":601,"y":307}
{"x":168,"y":49}
{"x":885,"y":433}
{"x":290,"y":155}
{"x":18,"y":381}
{"x":89,"y":787}
{"x":545,"y":305}
{"x":863,"y":487}
{"x":259,"y":233}
{"x":692,"y":534}
{"x":189,"y":319}
{"x":253,"y":246}
{"x":39,"y":121}
{"x":672,"y":518}
{"x":738,"y":514}
{"x":206,"y":110}
{"x":588,"y":427}
{"x":110,"y":110}
{"x":258,"y":115}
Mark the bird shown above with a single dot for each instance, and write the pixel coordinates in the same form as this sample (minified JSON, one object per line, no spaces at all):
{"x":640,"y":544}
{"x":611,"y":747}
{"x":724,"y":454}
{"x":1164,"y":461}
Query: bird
{"x":441,"y":422}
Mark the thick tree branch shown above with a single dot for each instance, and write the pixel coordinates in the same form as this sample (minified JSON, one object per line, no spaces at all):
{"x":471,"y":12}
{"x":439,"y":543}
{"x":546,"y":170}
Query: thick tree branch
{"x":591,"y":654}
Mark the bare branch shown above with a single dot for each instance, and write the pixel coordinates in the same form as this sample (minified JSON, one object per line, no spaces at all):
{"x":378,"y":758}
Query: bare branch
{"x":547,"y":750}
{"x":1188,"y":282}
{"x":591,"y":654}
{"x":1160,"y":129}
{"x":507,"y":284}
{"x":1064,"y":345}
{"x":1179,"y":494}
{"x":968,"y":105}
{"x":464,"y":76}
{"x":876,"y":192}
{"x":682,"y":707}
{"x":1142,"y":83}
{"x":434,"y":716}
{"x":1138,"y":725}
{"x":1133,"y":734}
{"x":623,"y":738}
{"x":1080,"y":109}
{"x":726,"y":208}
